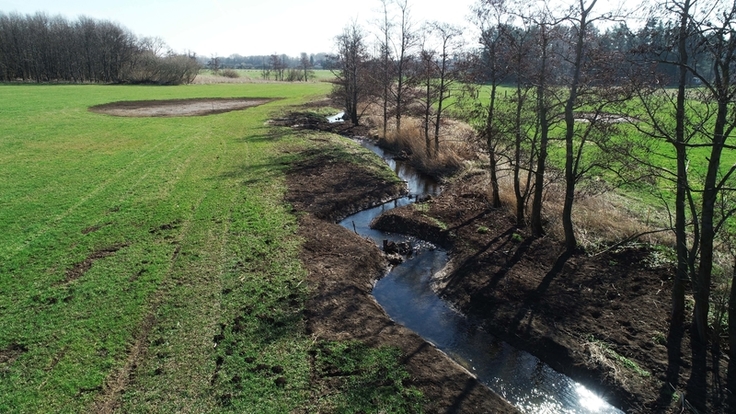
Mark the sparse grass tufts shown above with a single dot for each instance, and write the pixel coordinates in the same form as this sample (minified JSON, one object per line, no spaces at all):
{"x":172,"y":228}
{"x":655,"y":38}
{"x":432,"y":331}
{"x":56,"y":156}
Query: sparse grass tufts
{"x":369,"y":379}
{"x":616,"y":364}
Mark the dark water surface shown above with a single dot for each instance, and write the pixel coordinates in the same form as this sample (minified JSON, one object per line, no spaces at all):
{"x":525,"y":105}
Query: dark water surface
{"x":406,"y":295}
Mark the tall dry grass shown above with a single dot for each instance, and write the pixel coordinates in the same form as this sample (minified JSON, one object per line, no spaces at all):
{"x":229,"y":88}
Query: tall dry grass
{"x":600,"y":220}
{"x":455,"y":144}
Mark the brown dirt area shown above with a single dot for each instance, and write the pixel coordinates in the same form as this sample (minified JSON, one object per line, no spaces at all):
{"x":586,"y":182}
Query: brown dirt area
{"x":177,"y":107}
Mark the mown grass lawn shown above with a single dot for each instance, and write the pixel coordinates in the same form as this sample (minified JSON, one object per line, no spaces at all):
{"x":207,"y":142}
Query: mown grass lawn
{"x":148,"y":262}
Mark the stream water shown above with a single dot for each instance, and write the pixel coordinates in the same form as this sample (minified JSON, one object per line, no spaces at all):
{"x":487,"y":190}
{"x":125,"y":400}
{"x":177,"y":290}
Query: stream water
{"x":406,"y":295}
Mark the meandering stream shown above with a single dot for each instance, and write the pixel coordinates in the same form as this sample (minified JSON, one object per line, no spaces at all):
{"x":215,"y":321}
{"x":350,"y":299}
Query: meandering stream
{"x":406,"y":295}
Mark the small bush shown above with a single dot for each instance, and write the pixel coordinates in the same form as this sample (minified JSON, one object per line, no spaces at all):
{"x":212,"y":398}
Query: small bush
{"x":230,"y":73}
{"x":167,"y":70}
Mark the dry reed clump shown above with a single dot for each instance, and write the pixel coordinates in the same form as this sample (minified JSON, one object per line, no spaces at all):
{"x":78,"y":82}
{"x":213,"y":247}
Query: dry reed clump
{"x":598,"y":356}
{"x":599,"y":220}
{"x":455,"y":145}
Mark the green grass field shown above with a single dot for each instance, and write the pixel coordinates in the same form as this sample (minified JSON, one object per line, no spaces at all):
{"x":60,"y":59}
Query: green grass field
{"x":661,"y":153}
{"x":163,"y":235}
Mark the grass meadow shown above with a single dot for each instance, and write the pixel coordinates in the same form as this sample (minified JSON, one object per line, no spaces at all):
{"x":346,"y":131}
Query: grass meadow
{"x":647,"y":200}
{"x":130,"y":245}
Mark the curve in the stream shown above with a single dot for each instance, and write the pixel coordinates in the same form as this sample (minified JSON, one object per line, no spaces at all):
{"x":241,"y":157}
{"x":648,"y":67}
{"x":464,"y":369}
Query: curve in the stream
{"x":405,"y":294}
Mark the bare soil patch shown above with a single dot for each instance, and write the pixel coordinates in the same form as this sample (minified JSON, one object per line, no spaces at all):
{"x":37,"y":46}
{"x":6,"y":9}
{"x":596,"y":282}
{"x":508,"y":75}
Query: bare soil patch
{"x":177,"y":107}
{"x":9,"y":354}
{"x":79,"y":269}
{"x":342,"y":268}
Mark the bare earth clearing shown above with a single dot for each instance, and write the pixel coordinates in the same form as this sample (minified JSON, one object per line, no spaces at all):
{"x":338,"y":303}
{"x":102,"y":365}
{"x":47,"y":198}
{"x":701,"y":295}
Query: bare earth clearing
{"x":177,"y":107}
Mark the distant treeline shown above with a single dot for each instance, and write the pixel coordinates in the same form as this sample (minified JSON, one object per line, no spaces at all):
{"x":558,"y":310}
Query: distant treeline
{"x":39,"y":48}
{"x":316,"y":61}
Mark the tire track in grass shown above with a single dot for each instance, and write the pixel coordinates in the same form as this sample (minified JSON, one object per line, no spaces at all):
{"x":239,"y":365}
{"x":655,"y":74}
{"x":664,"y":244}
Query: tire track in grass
{"x":140,"y":332}
{"x":137,"y":171}
{"x":173,"y":154}
{"x":10,"y":251}
{"x":139,"y":360}
{"x":109,"y":400}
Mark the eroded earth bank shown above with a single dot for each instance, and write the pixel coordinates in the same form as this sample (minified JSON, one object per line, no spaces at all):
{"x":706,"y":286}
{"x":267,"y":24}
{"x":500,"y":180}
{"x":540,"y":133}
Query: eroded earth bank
{"x":342,"y":268}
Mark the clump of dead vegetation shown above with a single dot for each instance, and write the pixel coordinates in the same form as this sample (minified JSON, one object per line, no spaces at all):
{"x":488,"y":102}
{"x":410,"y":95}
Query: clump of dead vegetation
{"x":456,"y":146}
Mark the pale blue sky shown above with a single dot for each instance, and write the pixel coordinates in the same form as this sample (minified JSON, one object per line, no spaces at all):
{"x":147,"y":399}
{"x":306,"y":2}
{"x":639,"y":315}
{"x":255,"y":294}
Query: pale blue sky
{"x":246,"y":27}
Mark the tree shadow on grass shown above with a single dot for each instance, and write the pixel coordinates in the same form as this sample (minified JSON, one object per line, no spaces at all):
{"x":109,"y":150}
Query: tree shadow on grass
{"x":269,"y":135}
{"x":252,"y":174}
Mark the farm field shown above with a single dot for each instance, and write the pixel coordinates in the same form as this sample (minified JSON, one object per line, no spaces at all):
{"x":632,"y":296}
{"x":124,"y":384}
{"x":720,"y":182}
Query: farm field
{"x":255,"y":75}
{"x":130,"y":236}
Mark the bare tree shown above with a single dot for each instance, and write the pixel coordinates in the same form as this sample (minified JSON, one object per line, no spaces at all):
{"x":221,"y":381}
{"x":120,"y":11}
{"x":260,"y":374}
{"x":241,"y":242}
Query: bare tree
{"x":350,"y":62}
{"x":428,"y":71}
{"x":305,"y":64}
{"x":265,"y":70}
{"x":214,"y":64}
{"x":544,"y":113}
{"x":522,"y":131}
{"x":278,"y":65}
{"x":488,"y":16}
{"x":43,"y":49}
{"x":385,"y":75}
{"x":449,"y":45}
{"x":407,"y":41}
{"x":582,"y":21}
{"x":437,"y":76}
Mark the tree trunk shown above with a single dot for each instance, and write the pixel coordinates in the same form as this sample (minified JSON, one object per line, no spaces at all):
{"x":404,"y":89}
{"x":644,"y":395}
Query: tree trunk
{"x":493,"y":162}
{"x":520,"y":198}
{"x":441,"y":97}
{"x":681,"y":275}
{"x":536,"y":216}
{"x":731,"y":378}
{"x":427,"y":114}
{"x":570,"y":165}
{"x":707,"y":230}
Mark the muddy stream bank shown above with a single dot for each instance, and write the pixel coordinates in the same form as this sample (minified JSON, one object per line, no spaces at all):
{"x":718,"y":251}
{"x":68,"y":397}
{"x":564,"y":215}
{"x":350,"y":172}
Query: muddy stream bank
{"x":405,"y":293}
{"x":597,"y":318}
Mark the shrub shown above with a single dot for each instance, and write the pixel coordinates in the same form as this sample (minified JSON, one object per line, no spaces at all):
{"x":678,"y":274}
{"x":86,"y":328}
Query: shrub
{"x":167,"y":70}
{"x":230,"y":73}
